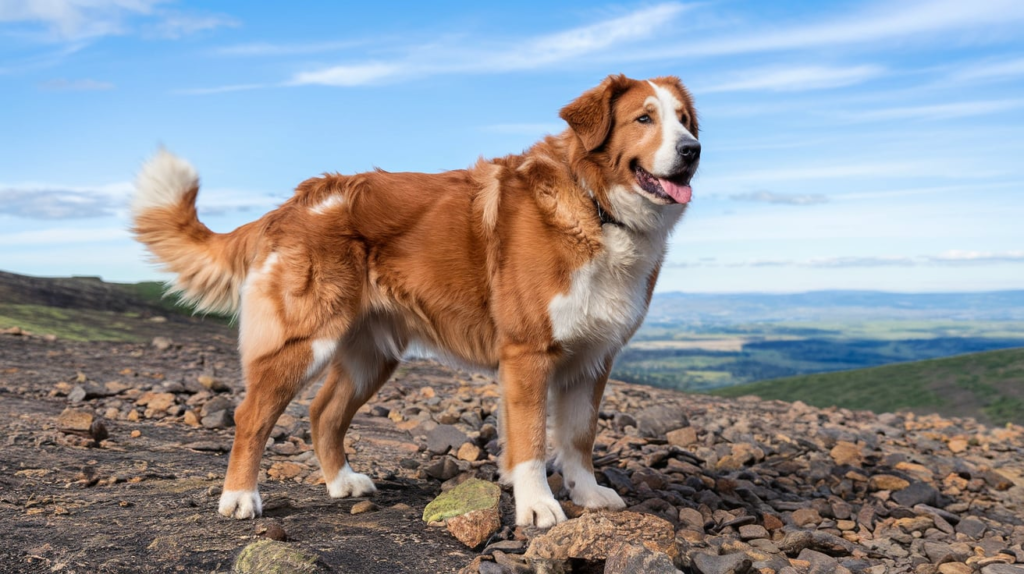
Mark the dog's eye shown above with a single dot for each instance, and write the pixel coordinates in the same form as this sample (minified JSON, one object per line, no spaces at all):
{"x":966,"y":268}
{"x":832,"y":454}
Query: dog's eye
{"x":644,"y":119}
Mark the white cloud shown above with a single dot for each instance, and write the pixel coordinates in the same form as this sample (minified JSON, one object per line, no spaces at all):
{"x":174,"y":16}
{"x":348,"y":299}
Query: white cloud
{"x":268,"y":49}
{"x":76,"y":20}
{"x":883,"y":21}
{"x":781,"y":198}
{"x":795,"y":79}
{"x":354,"y":75}
{"x":523,"y":54}
{"x":938,"y":111}
{"x":63,"y":236}
{"x":990,"y":70}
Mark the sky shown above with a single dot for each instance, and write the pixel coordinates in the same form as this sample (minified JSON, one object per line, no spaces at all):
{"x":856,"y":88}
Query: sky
{"x":846,"y":145}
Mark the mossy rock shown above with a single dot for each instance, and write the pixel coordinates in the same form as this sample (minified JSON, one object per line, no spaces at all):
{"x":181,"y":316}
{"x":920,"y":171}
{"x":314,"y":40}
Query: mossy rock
{"x":272,"y":557}
{"x":474,"y":494}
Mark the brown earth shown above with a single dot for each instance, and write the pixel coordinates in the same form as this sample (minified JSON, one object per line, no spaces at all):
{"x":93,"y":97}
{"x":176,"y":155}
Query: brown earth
{"x":746,"y":485}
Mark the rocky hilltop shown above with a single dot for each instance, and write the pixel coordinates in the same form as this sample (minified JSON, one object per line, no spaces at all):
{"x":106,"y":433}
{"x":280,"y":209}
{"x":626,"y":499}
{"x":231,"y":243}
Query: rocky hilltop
{"x":114,"y":454}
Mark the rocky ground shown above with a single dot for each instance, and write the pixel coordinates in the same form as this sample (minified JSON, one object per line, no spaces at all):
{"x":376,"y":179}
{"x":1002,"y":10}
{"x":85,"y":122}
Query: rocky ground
{"x":114,"y":454}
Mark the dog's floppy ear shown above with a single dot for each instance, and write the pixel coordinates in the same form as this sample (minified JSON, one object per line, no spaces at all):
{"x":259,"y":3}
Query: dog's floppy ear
{"x":590,"y":115}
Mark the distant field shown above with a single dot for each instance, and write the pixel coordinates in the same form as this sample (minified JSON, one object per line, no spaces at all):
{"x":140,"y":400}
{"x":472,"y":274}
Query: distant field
{"x":988,"y":386}
{"x":703,"y":357}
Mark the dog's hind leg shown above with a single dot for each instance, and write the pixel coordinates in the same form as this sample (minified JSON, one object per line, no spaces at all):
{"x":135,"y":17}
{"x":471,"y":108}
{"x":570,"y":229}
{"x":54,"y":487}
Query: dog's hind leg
{"x":367,"y":356}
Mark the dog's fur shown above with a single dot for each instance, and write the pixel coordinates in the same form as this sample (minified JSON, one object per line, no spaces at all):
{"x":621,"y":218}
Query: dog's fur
{"x":540,"y":265}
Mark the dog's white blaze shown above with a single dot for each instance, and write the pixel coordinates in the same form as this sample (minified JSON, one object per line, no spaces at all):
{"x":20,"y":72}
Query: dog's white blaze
{"x":323,"y":351}
{"x":671,"y":130}
{"x":350,"y":483}
{"x":607,"y":296}
{"x":240,"y":504}
{"x":328,"y":204}
{"x":534,"y":502}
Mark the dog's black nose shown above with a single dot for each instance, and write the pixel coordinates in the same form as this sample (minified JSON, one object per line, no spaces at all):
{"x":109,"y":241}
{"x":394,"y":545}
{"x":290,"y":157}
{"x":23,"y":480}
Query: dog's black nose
{"x":688,"y":149}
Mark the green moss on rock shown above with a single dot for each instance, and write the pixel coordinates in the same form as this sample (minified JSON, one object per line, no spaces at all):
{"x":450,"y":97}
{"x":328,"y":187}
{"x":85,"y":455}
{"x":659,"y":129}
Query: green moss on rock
{"x":474,"y":494}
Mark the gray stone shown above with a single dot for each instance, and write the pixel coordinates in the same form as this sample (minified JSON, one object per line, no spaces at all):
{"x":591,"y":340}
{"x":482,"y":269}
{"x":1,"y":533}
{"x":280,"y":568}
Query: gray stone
{"x":737,"y":563}
{"x":1002,"y":569}
{"x":971,"y":527}
{"x":218,"y":420}
{"x":444,"y":438}
{"x":820,"y":563}
{"x":632,"y":559}
{"x":657,"y":420}
{"x":917,"y":493}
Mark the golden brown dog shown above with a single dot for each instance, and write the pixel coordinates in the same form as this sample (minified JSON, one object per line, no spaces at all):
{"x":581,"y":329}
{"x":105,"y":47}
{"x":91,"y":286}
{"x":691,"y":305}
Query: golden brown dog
{"x":540,"y":265}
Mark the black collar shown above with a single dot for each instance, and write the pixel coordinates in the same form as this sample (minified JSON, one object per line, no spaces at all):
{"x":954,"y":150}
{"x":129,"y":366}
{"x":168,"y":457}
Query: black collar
{"x":603,"y":215}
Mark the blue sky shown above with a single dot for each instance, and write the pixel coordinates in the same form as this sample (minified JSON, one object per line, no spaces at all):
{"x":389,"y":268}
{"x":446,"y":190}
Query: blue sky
{"x":847,"y":145}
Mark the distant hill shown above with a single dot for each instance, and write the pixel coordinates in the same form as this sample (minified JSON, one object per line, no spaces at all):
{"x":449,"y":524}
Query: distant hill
{"x":988,"y":386}
{"x":88,"y":308}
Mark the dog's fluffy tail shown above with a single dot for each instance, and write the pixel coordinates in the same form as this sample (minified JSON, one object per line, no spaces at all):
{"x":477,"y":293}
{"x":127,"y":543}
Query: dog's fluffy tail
{"x":209,"y":267}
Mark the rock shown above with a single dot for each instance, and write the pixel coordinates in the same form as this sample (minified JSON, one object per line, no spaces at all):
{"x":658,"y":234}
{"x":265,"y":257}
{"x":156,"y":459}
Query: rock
{"x":887,"y":482}
{"x":1002,"y":569}
{"x":215,"y":385}
{"x":819,"y":563}
{"x":469,"y":452}
{"x":806,"y":517}
{"x":364,"y":506}
{"x":736,"y":563}
{"x":691,"y":519}
{"x":957,"y":445}
{"x":474,"y":494}
{"x":284,"y":470}
{"x":266,"y":555}
{"x":75,"y":420}
{"x":218,"y":420}
{"x":476,"y":527}
{"x":657,"y":420}
{"x":955,"y":568}
{"x":273,"y":531}
{"x":444,"y":438}
{"x":98,"y":431}
{"x":161,"y":343}
{"x":217,"y":404}
{"x":751,"y":531}
{"x":623,"y":420}
{"x":77,"y":394}
{"x":971,"y":527}
{"x":598,"y":535}
{"x":442,"y":469}
{"x":794,"y":542}
{"x":632,"y":559}
{"x":191,"y":419}
{"x":917,"y":493}
{"x":847,"y":454}
{"x":682,"y":437}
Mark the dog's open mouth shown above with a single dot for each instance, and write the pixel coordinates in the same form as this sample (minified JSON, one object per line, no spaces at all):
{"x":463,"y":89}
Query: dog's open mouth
{"x":676,"y":189}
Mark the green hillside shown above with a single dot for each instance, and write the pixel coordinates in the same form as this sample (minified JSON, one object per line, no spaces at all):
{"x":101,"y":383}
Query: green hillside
{"x":988,"y":386}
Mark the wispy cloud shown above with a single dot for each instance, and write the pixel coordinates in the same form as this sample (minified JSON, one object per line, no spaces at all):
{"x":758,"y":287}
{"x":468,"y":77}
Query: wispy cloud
{"x":43,"y":201}
{"x":938,"y":111}
{"x":515,"y":55}
{"x":780,"y":198}
{"x":83,"y":85}
{"x":795,"y":79}
{"x":63,"y":235}
{"x":882,"y":21}
{"x":270,"y":49}
{"x":990,"y":70}
{"x":222,"y":89}
{"x":77,"y":20}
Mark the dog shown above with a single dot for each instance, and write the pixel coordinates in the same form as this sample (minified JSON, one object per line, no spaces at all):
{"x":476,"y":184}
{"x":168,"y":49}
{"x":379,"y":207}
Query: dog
{"x":539,"y":265}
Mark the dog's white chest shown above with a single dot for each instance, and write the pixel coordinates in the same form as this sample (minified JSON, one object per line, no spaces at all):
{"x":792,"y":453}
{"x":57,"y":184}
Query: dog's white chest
{"x":607,"y":299}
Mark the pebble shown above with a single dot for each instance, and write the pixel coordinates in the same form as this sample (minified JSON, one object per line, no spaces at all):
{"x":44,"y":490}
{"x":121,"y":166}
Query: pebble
{"x":364,"y":506}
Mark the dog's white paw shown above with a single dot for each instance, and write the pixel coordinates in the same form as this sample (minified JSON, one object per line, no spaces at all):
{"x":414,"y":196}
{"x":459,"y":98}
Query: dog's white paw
{"x":542,"y":513}
{"x":241,"y":504}
{"x":595,"y":496}
{"x":349,"y":483}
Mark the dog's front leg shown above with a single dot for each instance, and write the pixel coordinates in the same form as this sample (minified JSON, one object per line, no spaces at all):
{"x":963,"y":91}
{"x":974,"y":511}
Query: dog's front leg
{"x":576,"y":400}
{"x":524,"y":373}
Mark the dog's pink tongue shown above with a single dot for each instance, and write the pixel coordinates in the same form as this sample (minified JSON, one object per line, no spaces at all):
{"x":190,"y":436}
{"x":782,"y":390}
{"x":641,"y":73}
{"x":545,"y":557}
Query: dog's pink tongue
{"x":680,"y":193}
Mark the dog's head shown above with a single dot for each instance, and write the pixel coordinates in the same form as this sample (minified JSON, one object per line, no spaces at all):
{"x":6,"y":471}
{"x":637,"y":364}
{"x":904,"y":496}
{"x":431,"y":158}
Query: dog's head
{"x":643,"y":134}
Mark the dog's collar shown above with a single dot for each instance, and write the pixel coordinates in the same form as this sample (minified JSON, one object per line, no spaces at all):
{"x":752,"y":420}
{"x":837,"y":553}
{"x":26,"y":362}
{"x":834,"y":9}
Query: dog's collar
{"x":603,"y":215}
